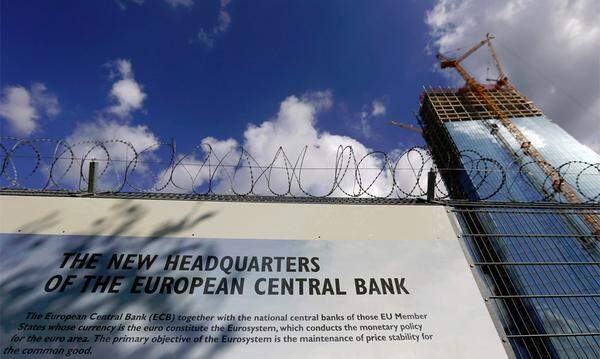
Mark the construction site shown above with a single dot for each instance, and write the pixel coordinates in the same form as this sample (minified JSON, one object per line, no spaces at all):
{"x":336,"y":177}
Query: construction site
{"x":516,"y":194}
{"x":532,"y":258}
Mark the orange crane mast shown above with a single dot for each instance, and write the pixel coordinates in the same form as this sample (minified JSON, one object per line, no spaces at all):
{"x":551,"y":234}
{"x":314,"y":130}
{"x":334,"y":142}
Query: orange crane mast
{"x":558,"y":183}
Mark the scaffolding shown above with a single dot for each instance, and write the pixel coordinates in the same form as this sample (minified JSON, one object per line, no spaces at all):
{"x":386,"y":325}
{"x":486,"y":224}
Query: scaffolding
{"x":449,"y":105}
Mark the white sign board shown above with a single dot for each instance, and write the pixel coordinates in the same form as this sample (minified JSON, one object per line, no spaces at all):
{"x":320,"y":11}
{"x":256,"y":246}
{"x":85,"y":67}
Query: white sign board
{"x":113,"y":297}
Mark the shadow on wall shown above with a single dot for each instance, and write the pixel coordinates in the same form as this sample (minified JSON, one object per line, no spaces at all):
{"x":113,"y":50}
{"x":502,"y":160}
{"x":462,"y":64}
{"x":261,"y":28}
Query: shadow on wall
{"x":28,"y":260}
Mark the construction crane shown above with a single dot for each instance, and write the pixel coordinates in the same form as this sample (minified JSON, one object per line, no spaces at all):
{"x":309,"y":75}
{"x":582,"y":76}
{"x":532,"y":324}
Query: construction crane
{"x":406,"y":127}
{"x":559,"y":185}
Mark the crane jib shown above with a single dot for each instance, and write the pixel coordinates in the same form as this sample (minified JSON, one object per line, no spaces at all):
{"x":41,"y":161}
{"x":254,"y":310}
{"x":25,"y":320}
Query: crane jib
{"x":559,"y":185}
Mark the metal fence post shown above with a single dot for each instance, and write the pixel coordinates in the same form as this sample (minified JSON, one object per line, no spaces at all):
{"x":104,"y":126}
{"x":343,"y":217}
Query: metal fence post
{"x":431,"y":177}
{"x":91,"y":177}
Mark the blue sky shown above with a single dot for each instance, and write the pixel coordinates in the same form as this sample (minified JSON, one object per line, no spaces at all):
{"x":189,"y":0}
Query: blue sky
{"x":261,"y":74}
{"x":360,"y":51}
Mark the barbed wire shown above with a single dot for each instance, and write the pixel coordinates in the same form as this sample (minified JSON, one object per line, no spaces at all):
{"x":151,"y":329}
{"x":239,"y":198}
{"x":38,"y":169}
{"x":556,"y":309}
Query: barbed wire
{"x":47,"y":164}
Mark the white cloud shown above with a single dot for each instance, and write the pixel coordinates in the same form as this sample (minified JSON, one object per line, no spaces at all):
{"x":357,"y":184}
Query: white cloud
{"x":207,"y":36}
{"x":182,"y":3}
{"x":122,"y":68}
{"x":109,"y":143}
{"x":139,"y":136}
{"x":549,"y":49}
{"x":111,"y":140}
{"x":17,"y":109}
{"x":123,"y":3}
{"x":113,"y":144}
{"x":319,"y":100}
{"x":174,"y":3}
{"x":365,"y":125}
{"x":23,"y":108}
{"x":378,"y":108}
{"x":304,"y":146}
{"x":366,"y":115}
{"x":127,"y":94}
{"x":195,"y":169}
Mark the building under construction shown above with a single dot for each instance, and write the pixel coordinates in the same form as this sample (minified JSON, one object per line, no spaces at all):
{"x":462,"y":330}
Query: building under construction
{"x":496,"y":248}
{"x":540,"y":263}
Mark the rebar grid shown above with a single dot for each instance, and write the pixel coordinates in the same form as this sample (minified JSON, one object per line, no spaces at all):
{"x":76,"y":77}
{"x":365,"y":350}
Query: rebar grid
{"x":451,"y":105}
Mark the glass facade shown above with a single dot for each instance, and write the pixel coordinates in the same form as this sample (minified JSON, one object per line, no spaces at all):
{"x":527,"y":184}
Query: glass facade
{"x":496,"y":160}
{"x":540,"y":262}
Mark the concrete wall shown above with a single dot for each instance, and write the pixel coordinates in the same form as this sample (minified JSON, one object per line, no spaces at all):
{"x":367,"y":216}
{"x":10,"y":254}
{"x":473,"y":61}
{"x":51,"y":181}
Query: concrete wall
{"x":213,"y":219}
